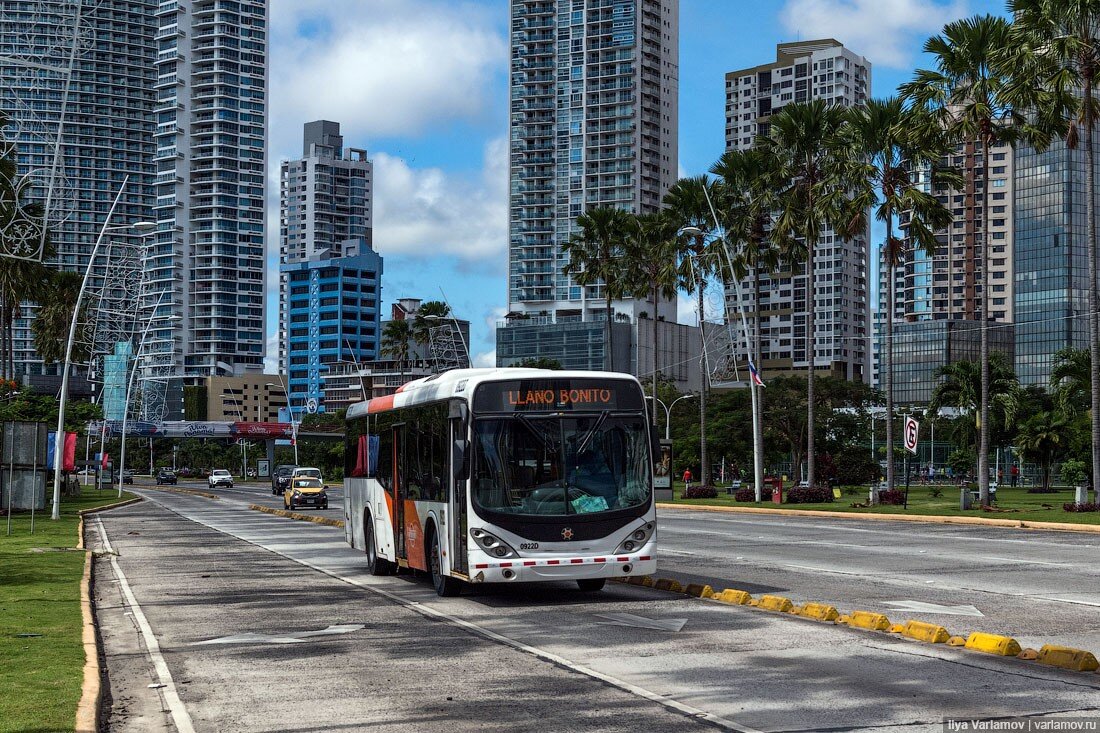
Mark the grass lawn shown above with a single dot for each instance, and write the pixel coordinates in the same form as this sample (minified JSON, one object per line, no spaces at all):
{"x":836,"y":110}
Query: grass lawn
{"x":1018,"y":503}
{"x":41,"y":676}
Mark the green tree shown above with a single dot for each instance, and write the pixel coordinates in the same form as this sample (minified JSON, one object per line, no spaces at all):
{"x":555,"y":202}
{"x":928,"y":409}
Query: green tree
{"x":397,"y":338}
{"x":688,"y":203}
{"x":808,"y":141}
{"x":57,"y":296}
{"x":596,"y":259}
{"x":899,"y":146}
{"x":1071,"y":379}
{"x":970,"y":93}
{"x":429,"y":315}
{"x":1042,"y":439}
{"x":541,"y":362}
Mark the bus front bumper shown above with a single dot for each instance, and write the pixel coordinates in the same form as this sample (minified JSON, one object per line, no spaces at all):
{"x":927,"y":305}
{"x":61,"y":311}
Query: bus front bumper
{"x":520,"y":570}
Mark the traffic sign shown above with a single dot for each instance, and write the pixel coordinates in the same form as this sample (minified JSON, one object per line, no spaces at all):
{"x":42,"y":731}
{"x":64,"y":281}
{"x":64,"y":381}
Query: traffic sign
{"x":911,"y":429}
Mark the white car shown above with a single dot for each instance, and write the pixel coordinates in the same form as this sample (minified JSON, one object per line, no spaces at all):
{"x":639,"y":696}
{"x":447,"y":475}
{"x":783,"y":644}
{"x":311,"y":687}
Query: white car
{"x":220,"y":477}
{"x":305,"y":472}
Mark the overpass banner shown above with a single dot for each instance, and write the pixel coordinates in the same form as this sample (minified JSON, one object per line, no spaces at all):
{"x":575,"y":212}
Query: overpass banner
{"x":193,"y":429}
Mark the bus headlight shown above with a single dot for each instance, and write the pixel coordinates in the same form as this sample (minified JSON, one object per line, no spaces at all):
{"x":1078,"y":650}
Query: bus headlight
{"x":492,"y":544}
{"x":637,"y":538}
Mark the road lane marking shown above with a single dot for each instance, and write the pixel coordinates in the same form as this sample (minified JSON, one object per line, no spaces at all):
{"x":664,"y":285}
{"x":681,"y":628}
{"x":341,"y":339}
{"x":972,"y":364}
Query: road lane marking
{"x":180,"y":718}
{"x":641,"y":622}
{"x":933,"y":608}
{"x":435,"y":613}
{"x":296,"y":638}
{"x":674,"y":552}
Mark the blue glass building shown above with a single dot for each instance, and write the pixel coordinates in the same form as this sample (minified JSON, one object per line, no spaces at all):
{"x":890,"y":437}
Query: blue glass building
{"x":334,"y":316}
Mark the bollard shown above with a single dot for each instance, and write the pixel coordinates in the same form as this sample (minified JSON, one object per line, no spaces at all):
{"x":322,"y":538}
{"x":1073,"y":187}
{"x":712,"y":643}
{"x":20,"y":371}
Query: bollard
{"x":964,"y":498}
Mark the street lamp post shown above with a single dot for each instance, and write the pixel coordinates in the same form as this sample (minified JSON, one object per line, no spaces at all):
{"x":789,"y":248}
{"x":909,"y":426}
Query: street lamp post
{"x":66,"y":366}
{"x":293,"y":423}
{"x":243,"y":442}
{"x":668,"y":411}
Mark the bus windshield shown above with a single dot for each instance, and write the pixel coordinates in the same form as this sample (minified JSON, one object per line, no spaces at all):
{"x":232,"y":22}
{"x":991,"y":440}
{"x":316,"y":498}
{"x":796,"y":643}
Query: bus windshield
{"x":561,"y":464}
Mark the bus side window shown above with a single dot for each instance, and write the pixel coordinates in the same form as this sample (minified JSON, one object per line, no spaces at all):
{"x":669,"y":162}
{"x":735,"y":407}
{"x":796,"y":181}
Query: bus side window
{"x":384,"y":470}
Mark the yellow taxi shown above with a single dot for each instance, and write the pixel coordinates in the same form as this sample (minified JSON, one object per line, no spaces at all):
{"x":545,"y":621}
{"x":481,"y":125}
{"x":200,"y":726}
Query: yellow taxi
{"x":305,"y":491}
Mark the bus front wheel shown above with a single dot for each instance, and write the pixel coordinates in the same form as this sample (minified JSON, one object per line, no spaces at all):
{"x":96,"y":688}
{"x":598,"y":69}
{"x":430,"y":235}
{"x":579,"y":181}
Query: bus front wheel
{"x":375,"y":564}
{"x":445,"y":585}
{"x":590,"y":585}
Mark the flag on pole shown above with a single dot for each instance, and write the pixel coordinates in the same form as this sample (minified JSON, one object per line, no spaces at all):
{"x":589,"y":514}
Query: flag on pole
{"x":755,"y":375}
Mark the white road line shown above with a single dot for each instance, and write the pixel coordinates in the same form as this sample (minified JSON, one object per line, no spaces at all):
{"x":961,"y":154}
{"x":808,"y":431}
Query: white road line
{"x":176,"y":709}
{"x":674,"y":552}
{"x":435,"y":613}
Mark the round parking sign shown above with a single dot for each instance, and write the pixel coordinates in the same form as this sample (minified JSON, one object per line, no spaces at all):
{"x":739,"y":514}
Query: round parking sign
{"x":311,"y":405}
{"x":911,"y":429}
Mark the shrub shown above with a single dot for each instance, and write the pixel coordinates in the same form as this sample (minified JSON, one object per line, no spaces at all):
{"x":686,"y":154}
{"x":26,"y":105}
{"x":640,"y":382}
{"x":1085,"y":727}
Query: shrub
{"x":700,"y":492}
{"x":936,"y":492}
{"x":894,"y":497}
{"x":745,"y":494}
{"x":1041,"y":490}
{"x":1073,"y":472}
{"x":810,"y":495}
{"x":1088,"y":507}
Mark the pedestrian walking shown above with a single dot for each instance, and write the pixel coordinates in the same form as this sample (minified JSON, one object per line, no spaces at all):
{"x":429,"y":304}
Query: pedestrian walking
{"x":687,"y":478}
{"x":1014,"y":473}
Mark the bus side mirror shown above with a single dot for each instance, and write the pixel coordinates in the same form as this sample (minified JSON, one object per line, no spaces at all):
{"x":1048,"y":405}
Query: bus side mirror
{"x":458,"y":459}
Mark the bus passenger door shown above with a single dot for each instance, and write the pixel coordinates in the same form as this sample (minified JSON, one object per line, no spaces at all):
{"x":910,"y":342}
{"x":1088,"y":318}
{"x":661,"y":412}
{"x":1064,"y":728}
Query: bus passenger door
{"x":459,"y":476}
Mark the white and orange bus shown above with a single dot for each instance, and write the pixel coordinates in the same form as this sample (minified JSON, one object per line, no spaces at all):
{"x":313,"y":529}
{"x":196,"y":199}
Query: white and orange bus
{"x":502,"y":476}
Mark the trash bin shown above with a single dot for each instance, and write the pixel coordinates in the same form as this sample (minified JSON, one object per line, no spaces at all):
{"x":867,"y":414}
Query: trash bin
{"x":777,"y":490}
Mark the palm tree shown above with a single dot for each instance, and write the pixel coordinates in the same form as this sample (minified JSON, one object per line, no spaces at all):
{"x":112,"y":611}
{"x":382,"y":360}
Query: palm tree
{"x":1061,"y":40}
{"x":1070,"y":379}
{"x":898,"y":145}
{"x":652,"y":253}
{"x":807,"y":140}
{"x":57,"y":295}
{"x":971,"y":94}
{"x":596,"y":258}
{"x":397,"y":338}
{"x":688,"y":203}
{"x":1041,"y":439}
{"x":428,"y":316}
{"x":962,"y":388}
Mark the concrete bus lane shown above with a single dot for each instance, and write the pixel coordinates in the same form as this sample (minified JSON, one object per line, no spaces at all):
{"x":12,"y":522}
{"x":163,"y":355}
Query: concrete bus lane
{"x":1040,"y":587}
{"x":748,"y":669}
{"x":252,"y":641}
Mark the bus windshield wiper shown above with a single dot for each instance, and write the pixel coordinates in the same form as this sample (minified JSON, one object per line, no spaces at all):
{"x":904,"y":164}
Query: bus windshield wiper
{"x":536,"y":431}
{"x":592,"y":432}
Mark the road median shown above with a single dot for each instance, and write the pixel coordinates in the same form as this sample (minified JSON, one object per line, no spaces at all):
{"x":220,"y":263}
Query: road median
{"x":326,"y":521}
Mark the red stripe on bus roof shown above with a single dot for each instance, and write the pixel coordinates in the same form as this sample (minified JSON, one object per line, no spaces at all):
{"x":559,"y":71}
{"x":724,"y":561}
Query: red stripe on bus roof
{"x":380,"y":404}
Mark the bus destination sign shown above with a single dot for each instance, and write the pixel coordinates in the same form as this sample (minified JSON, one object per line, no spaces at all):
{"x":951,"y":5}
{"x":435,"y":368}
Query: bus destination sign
{"x":558,"y":395}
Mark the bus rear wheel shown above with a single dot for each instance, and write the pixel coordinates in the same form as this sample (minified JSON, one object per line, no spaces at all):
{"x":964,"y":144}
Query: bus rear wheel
{"x":591,"y":585}
{"x":445,"y":585}
{"x":375,"y":564}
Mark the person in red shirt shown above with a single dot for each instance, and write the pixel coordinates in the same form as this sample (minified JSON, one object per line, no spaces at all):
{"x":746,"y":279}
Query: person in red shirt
{"x":687,"y":477}
{"x":1014,"y":472}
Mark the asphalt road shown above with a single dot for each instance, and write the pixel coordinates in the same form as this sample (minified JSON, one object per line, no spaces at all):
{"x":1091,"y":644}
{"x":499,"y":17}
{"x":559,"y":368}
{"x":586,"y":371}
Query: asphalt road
{"x":223,"y":588}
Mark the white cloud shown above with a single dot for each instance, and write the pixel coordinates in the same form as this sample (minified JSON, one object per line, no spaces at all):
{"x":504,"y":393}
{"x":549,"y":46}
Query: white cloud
{"x":385,"y":67}
{"x":887,"y":32}
{"x":486,"y":359}
{"x":427,"y":212}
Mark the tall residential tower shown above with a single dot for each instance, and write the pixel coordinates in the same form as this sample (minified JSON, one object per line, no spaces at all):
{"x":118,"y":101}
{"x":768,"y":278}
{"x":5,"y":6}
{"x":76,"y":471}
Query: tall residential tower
{"x":593,"y":122}
{"x":801,"y":72}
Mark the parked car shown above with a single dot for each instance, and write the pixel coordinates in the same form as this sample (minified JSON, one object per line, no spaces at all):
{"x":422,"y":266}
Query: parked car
{"x":280,"y":478}
{"x":166,"y":476}
{"x":127,"y":476}
{"x":305,"y":491}
{"x":220,"y":477}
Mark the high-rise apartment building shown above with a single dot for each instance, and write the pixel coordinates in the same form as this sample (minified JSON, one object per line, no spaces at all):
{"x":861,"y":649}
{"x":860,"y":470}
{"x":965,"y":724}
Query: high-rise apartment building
{"x":106,"y":120}
{"x":1051,"y":258}
{"x":325,"y":200}
{"x":805,"y":71}
{"x":593,"y":122}
{"x":208,"y":255}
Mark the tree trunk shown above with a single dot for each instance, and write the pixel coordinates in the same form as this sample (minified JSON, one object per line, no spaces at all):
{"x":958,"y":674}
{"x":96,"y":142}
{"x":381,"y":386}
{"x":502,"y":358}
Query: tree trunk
{"x":610,"y":339}
{"x":889,"y":357}
{"x":704,"y":468}
{"x":811,"y":343}
{"x":655,"y":359}
{"x":756,"y":360}
{"x":983,"y":428}
{"x":1094,"y":300}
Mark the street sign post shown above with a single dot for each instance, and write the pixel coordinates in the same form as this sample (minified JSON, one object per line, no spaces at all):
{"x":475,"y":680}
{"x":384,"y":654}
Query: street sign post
{"x":912,"y":429}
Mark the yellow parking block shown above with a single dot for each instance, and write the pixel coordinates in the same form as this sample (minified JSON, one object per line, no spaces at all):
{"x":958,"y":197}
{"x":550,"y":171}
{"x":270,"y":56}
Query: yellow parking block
{"x":869,"y":620}
{"x":1004,"y":646}
{"x":1067,"y":657}
{"x":731,"y":595}
{"x":923,"y":631}
{"x":668,"y":584}
{"x":775,"y":603}
{"x":819,"y":611}
{"x":699,"y":590}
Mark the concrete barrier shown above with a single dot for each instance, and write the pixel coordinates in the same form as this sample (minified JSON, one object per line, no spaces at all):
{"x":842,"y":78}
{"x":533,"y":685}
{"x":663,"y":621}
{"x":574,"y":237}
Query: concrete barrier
{"x":1067,"y":657}
{"x":699,"y":590}
{"x":731,"y":595}
{"x":868,"y":620}
{"x":1003,"y":646}
{"x":926,"y":632}
{"x":668,"y":584}
{"x":819,"y":611}
{"x":775,"y":603}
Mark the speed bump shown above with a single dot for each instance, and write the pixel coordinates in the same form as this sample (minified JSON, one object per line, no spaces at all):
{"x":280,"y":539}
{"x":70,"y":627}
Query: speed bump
{"x":775,"y":603}
{"x":668,"y":584}
{"x":731,"y":595}
{"x":699,"y":590}
{"x":1004,"y":646}
{"x":819,"y":611}
{"x":869,"y":620}
{"x":923,"y":631}
{"x":1067,"y":657}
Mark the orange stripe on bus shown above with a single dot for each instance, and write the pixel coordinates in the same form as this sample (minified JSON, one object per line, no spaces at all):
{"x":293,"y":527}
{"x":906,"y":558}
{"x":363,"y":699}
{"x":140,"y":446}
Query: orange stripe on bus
{"x":380,"y":404}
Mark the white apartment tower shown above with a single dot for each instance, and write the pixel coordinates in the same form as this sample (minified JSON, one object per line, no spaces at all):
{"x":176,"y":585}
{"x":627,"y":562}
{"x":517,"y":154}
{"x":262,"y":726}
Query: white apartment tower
{"x":593,"y":122}
{"x":324,"y":201}
{"x":805,"y":71}
{"x":208,"y":257}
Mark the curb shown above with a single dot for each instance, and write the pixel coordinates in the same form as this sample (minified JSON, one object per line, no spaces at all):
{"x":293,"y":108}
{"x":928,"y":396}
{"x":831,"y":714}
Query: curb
{"x":91,"y":694}
{"x":295,"y":515}
{"x":192,"y":492}
{"x":105,"y":507}
{"x":925,"y":518}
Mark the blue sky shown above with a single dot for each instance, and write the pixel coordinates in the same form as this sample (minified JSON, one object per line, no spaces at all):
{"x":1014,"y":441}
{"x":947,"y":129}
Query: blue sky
{"x":423,"y":86}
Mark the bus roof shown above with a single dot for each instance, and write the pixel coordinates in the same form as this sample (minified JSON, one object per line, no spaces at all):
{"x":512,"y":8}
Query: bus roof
{"x":461,"y":383}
